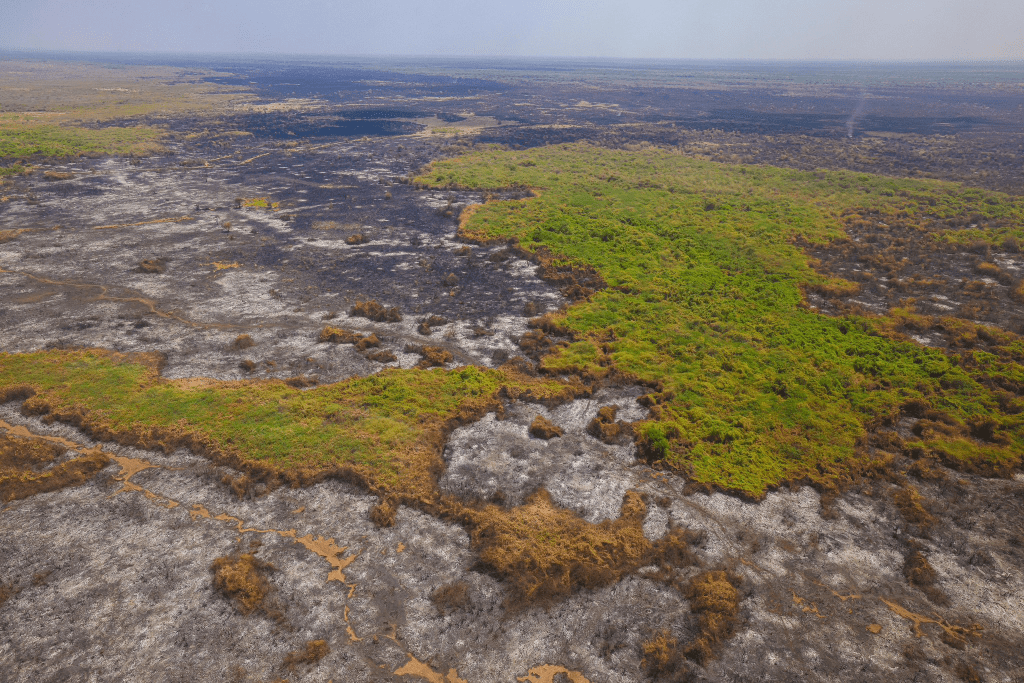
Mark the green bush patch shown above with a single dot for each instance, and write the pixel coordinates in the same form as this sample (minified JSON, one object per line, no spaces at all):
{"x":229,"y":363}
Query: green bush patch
{"x":704,"y":300}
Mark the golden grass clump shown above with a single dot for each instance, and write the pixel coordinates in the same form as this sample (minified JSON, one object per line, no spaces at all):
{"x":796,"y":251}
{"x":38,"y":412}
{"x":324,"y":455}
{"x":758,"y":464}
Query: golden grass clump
{"x":242,"y":578}
{"x":544,"y":551}
{"x":543,"y":428}
{"x":22,"y":462}
{"x":383,"y":513}
{"x":375,"y":311}
{"x":314,"y":651}
{"x":358,"y":238}
{"x":663,"y":659}
{"x":339,"y":335}
{"x":908,"y":502}
{"x":242,"y":342}
{"x":382,"y":356}
{"x":714,"y":597}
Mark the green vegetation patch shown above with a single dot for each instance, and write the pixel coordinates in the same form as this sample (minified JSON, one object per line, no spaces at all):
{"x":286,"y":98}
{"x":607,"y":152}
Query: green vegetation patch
{"x":388,"y":428}
{"x":704,"y":300}
{"x":26,"y":135}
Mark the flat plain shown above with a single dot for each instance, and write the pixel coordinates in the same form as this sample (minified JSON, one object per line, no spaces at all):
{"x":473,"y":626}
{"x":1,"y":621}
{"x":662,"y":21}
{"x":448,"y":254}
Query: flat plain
{"x":461,"y":371}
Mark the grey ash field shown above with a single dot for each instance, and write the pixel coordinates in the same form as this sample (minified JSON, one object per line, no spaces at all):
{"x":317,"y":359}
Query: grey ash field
{"x":269,"y":211}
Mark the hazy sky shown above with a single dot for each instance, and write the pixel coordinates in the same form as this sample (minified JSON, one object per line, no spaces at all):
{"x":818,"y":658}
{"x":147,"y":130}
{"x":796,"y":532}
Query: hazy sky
{"x":757,"y":29}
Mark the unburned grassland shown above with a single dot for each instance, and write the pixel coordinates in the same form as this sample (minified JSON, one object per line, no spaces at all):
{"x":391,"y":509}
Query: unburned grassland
{"x":384,"y":431}
{"x":705,"y":302}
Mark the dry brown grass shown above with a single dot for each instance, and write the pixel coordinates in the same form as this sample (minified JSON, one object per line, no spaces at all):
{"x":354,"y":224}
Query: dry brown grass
{"x":908,"y":502}
{"x":383,"y":513}
{"x":242,"y":342}
{"x":545,"y":552}
{"x":543,"y":428}
{"x":605,"y":428}
{"x":433,"y":356}
{"x":242,"y":578}
{"x":314,"y":651}
{"x":663,"y":658}
{"x":57,"y":175}
{"x":919,"y":572}
{"x":376,"y":312}
{"x":714,"y":597}
{"x":22,"y":462}
{"x":451,"y":597}
{"x":339,"y":335}
{"x":358,"y":238}
{"x":382,"y":356}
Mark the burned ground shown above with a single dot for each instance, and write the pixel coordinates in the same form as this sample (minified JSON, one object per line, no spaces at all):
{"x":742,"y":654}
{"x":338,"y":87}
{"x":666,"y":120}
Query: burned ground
{"x":272,"y":222}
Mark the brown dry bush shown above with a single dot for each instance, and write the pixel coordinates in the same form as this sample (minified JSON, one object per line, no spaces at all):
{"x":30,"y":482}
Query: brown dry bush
{"x":543,"y":428}
{"x":908,"y":502}
{"x":22,"y":462}
{"x":152,"y":266}
{"x":663,"y":658}
{"x":382,"y":357}
{"x":433,"y":356}
{"x":715,"y":598}
{"x":383,"y":513}
{"x":376,"y":312}
{"x":358,"y":238}
{"x":242,"y":578}
{"x":545,"y":552}
{"x":247,"y":365}
{"x":606,"y":428}
{"x":57,"y":175}
{"x":314,"y":651}
{"x":450,"y":280}
{"x":242,"y":342}
{"x":919,"y":572}
{"x":451,"y":597}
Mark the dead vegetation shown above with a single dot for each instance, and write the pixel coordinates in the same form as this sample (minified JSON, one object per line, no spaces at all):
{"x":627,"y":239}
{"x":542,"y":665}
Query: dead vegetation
{"x":426,"y":324}
{"x":543,"y":428}
{"x":376,"y":312}
{"x":152,"y":266}
{"x":383,"y":513}
{"x":451,"y":597}
{"x":339,"y":335}
{"x":605,"y":427}
{"x":908,"y":502}
{"x":57,"y":175}
{"x":314,"y":651}
{"x":26,"y":468}
{"x":433,"y":356}
{"x":358,"y":238}
{"x":714,"y":597}
{"x":242,"y":342}
{"x":545,"y":552}
{"x":919,"y":572}
{"x":384,"y":356}
{"x":242,"y":578}
{"x":663,"y":659}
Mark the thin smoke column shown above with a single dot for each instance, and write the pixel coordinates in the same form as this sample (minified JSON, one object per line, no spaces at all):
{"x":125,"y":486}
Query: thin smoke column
{"x":857,"y":113}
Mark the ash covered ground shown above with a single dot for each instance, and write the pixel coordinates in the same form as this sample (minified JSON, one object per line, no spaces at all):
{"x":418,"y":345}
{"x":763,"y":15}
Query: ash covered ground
{"x":305,"y":209}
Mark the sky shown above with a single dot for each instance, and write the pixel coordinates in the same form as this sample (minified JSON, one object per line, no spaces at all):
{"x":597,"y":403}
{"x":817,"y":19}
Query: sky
{"x":876,"y":30}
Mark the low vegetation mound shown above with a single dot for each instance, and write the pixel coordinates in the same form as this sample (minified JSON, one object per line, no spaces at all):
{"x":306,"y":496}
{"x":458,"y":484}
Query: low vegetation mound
{"x":699,"y":274}
{"x":384,"y":431}
{"x":27,"y":135}
{"x":26,"y":468}
{"x":544,"y":551}
{"x":242,"y":577}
